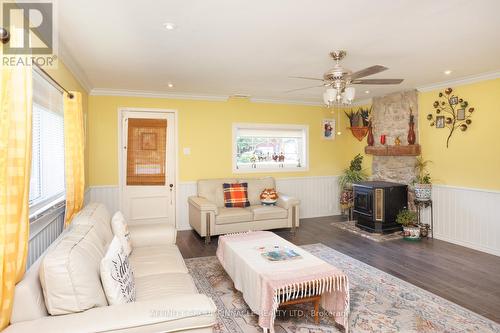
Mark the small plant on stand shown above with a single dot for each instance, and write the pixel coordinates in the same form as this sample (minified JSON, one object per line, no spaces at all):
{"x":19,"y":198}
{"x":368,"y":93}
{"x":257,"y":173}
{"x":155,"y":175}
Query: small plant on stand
{"x":422,"y":181}
{"x":408,"y":219}
{"x":353,"y":174}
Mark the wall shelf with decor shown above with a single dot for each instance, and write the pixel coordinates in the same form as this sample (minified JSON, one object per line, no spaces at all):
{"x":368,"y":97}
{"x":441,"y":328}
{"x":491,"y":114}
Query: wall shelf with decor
{"x":359,"y":132}
{"x":410,"y":150}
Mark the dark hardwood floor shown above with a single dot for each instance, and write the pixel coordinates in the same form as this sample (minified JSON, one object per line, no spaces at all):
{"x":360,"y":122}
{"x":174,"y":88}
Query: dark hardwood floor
{"x":466,"y":277}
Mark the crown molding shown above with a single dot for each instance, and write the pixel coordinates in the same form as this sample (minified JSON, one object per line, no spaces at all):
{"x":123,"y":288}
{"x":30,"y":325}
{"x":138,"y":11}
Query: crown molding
{"x":460,"y":81}
{"x":75,"y":69}
{"x":283,"y":101}
{"x":156,"y":94}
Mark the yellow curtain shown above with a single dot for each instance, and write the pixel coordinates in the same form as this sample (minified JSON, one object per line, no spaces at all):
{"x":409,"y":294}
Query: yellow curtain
{"x":15,"y":168}
{"x":73,"y":154}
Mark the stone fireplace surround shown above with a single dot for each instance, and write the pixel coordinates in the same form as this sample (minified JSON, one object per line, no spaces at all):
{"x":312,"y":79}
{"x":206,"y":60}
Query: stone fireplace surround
{"x":390,"y":116}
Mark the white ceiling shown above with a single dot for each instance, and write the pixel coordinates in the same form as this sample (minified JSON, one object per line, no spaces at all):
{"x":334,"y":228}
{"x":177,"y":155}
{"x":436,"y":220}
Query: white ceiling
{"x":226,"y":47}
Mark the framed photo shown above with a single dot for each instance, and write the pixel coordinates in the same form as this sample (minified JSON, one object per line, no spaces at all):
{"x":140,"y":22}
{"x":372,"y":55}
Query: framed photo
{"x":454,"y":100}
{"x":461,"y":114}
{"x":440,"y":122}
{"x":328,"y":129}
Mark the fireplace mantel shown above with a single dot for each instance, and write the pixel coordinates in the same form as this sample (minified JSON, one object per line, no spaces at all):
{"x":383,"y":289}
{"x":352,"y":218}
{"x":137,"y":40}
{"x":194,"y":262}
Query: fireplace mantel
{"x":410,"y":150}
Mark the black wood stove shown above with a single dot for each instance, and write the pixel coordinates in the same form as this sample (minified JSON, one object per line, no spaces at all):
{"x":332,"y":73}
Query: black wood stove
{"x":376,"y":204}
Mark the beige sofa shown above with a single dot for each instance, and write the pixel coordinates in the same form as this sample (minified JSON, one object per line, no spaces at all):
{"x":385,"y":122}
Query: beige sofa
{"x":208,"y":215}
{"x":66,"y":281}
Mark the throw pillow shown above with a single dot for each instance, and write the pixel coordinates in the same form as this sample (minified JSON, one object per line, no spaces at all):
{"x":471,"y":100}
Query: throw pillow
{"x":116,"y":275}
{"x":236,"y":195}
{"x":269,"y":196}
{"x":120,"y":230}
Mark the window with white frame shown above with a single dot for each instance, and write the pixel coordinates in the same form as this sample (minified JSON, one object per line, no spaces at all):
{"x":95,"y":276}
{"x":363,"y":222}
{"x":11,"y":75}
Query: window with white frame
{"x":47,"y":159}
{"x":269,"y":147}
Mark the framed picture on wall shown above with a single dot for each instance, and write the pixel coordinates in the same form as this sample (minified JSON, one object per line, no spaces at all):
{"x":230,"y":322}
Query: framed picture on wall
{"x":461,"y":114}
{"x":328,"y":129}
{"x":440,"y":122}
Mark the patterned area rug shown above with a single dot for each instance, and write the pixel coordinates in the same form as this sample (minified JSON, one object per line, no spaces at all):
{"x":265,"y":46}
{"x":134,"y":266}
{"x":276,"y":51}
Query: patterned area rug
{"x":351,"y":227}
{"x":379,"y":303}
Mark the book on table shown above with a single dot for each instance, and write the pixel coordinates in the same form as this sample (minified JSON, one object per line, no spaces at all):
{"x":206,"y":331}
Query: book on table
{"x":281,"y":254}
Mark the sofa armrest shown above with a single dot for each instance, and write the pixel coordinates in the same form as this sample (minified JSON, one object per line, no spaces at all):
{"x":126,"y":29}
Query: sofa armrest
{"x":285,"y":201}
{"x":203,"y":204}
{"x":152,"y":234}
{"x":169,"y":314}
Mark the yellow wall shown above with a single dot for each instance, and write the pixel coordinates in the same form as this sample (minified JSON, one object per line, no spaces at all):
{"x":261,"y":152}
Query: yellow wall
{"x":473,"y":156}
{"x":206,"y":128}
{"x":64,"y":77}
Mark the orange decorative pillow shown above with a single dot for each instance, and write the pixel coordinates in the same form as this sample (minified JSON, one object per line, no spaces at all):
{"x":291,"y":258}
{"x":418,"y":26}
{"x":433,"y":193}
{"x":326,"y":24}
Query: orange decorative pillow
{"x":236,"y":195}
{"x":269,"y":196}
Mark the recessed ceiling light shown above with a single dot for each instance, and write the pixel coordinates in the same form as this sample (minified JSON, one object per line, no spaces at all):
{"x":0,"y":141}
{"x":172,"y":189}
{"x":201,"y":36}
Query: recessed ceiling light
{"x":169,"y":26}
{"x":447,"y":72}
{"x":367,"y":91}
{"x":170,"y":85}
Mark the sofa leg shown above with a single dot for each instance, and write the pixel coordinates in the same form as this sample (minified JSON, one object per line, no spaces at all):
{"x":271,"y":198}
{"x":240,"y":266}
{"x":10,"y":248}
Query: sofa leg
{"x":294,"y":216}
{"x":207,"y":237}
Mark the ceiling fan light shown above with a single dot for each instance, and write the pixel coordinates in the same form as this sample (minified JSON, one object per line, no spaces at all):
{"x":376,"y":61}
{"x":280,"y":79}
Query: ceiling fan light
{"x":331,"y":94}
{"x":325,"y":99}
{"x":349,"y":93}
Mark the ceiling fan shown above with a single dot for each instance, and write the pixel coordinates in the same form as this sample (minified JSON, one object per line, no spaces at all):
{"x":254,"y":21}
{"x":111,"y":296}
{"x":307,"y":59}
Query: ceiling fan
{"x":339,"y":81}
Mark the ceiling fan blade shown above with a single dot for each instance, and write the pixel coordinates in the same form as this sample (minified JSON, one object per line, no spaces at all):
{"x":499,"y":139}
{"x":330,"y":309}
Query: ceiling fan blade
{"x":368,"y":71}
{"x":288,"y":91}
{"x":305,"y":78}
{"x":378,"y":81}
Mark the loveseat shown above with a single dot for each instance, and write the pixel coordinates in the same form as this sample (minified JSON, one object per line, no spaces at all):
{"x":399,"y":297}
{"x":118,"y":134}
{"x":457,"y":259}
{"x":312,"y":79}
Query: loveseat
{"x":62,"y":291}
{"x":209,"y":216}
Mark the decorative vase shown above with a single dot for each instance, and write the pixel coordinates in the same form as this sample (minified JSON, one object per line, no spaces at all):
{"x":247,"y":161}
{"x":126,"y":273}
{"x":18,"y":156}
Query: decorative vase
{"x":423,"y":192}
{"x":370,"y":139}
{"x":382,"y":139}
{"x":411,"y":233}
{"x":411,"y":132}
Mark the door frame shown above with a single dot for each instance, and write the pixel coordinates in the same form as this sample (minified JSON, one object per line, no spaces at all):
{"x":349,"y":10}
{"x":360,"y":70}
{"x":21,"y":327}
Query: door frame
{"x":121,"y":180}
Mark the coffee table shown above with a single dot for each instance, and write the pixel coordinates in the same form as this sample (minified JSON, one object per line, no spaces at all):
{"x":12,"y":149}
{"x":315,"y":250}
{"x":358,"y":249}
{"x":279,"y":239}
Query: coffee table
{"x":267,"y":285}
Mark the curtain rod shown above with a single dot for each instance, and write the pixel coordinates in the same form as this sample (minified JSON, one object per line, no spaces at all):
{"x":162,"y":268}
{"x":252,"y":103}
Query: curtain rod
{"x":70,"y":95}
{"x":5,"y":37}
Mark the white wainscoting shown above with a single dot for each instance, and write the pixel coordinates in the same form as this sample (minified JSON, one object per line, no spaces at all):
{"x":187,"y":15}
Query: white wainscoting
{"x":319,"y":196}
{"x":467,"y":217}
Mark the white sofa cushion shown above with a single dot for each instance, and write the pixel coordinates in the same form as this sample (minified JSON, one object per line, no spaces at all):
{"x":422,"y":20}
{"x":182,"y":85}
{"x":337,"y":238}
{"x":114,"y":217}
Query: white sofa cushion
{"x":256,"y":186}
{"x":151,"y":234}
{"x":116,"y":275}
{"x":233,"y":215}
{"x":211,"y":189}
{"x":161,"y":285}
{"x":120,"y":230}
{"x":268,"y":212}
{"x":160,"y":259}
{"x":69,"y":272}
{"x":96,"y":214}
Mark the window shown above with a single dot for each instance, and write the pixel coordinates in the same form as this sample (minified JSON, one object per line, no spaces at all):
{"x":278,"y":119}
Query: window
{"x":269,"y":147}
{"x":47,"y":160}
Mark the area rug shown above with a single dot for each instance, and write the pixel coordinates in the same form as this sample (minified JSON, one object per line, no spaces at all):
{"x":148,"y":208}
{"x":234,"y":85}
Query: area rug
{"x":351,"y":227}
{"x":379,"y":303}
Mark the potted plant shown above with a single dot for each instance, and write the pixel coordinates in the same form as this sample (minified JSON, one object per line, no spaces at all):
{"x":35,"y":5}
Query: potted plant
{"x":422,"y":182}
{"x":365,"y":116}
{"x":353,"y":174}
{"x":408,"y":219}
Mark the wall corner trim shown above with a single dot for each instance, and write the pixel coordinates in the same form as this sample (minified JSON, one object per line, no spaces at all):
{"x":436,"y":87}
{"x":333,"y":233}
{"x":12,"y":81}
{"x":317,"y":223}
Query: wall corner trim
{"x":459,"y":81}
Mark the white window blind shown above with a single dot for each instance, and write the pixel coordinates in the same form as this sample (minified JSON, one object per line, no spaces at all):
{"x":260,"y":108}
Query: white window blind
{"x":268,"y":147}
{"x":47,"y":163}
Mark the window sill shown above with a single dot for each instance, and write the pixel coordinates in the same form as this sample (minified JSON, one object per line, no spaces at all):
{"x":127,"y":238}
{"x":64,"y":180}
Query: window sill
{"x":46,"y":208}
{"x":270,"y":170}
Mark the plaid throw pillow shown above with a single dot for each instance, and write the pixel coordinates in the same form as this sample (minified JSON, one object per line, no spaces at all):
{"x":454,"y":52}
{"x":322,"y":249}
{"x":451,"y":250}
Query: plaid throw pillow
{"x":236,"y":195}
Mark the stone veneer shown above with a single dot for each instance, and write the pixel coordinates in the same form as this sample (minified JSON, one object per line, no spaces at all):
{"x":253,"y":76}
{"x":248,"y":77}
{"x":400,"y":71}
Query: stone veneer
{"x":390,"y":116}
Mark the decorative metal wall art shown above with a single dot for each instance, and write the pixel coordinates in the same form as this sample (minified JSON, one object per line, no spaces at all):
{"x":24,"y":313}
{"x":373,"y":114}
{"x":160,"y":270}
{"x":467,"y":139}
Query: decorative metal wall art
{"x":452,"y":112}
